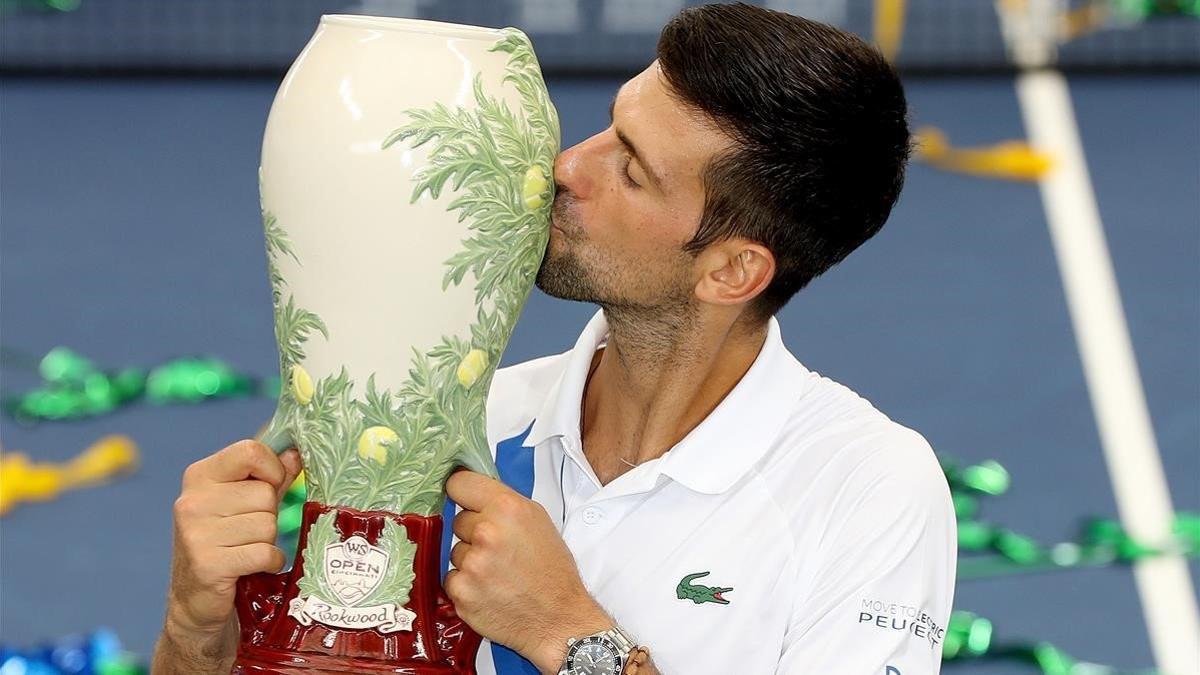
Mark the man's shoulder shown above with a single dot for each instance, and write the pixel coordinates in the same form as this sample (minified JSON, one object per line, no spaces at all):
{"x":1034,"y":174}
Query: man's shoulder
{"x":837,"y":449}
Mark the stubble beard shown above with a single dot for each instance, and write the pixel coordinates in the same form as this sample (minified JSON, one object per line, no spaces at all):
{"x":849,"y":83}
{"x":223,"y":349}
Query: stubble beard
{"x":658,"y":320}
{"x":562,"y":275}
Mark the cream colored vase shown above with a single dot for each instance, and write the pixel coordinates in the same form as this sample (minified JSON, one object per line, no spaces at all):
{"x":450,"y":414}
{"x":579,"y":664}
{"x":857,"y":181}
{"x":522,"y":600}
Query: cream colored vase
{"x":406,"y":187}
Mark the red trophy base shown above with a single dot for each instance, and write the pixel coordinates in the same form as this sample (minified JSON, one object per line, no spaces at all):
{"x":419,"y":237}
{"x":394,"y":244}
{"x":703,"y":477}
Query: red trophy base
{"x":273,"y":642}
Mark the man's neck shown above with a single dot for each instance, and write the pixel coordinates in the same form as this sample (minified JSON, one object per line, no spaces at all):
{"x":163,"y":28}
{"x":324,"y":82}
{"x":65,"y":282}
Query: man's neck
{"x":655,"y":381}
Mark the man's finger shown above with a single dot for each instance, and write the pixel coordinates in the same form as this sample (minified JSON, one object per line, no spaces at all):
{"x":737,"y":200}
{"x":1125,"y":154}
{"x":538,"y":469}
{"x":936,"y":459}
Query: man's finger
{"x":472,"y":490}
{"x":458,"y":553}
{"x":241,"y":460}
{"x":244,"y":496}
{"x":464,"y":525}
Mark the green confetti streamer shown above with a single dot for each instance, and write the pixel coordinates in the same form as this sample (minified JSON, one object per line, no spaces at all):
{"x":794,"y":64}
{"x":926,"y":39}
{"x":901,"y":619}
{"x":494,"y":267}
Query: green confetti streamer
{"x":73,"y":388}
{"x":979,"y":636}
{"x":1052,"y":660}
{"x":1016,"y":547}
{"x":995,"y":551}
{"x":1141,"y":10}
{"x":125,"y":664}
{"x":965,"y":505}
{"x":969,"y":639}
{"x":988,"y":478}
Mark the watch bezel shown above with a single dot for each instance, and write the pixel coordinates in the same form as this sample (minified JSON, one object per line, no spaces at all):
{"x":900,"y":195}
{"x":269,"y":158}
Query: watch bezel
{"x":608,"y":644}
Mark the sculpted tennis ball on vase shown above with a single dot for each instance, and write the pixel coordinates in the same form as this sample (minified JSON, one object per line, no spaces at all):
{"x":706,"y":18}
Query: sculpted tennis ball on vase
{"x":373,"y":443}
{"x":471,"y":367}
{"x":302,"y":385}
{"x":533,"y":190}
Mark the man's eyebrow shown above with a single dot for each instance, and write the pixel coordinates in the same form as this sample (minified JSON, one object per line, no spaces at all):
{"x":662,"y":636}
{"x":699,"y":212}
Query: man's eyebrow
{"x":654,"y":177}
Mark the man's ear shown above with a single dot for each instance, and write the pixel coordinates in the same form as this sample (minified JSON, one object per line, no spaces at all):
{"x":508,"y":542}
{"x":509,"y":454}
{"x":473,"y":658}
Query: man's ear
{"x":734,"y":271}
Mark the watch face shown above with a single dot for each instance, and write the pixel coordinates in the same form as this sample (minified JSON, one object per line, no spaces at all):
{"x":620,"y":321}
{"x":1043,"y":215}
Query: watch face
{"x":593,"y":656}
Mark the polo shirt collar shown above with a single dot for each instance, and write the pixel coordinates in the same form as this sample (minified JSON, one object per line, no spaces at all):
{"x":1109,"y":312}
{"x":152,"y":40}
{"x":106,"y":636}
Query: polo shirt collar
{"x":559,"y":414}
{"x":723,"y":447}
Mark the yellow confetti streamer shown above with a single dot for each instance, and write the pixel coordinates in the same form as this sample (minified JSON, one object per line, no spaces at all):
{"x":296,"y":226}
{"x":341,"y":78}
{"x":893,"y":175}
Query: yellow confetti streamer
{"x":22,"y":480}
{"x":1010,"y":160}
{"x":889,"y":26}
{"x":1083,"y":20}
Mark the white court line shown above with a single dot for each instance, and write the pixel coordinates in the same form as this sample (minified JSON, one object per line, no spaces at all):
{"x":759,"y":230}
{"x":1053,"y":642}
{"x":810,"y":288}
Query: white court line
{"x":1115,"y":387}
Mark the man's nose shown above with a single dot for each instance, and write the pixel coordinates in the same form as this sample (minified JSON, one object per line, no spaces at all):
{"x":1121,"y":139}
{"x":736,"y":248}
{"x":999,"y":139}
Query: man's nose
{"x":567,"y":171}
{"x":575,"y":169}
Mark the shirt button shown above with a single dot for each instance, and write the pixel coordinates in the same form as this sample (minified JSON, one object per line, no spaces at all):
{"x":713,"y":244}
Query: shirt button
{"x":592,"y":515}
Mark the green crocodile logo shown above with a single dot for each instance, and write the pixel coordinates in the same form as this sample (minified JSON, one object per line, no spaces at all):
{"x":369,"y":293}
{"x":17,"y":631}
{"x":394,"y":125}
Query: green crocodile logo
{"x":700,"y":594}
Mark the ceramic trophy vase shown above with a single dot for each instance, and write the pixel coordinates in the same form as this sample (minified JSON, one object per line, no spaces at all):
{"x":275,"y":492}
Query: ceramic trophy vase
{"x":406,"y":188}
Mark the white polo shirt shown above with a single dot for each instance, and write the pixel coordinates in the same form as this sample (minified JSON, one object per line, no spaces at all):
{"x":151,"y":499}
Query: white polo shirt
{"x":829,"y":526}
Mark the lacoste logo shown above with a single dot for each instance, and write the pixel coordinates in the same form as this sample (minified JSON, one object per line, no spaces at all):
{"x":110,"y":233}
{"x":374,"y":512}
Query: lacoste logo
{"x":700,"y":594}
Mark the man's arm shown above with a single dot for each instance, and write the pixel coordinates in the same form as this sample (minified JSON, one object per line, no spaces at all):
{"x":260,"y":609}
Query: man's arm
{"x":225,"y":528}
{"x":882,"y":594}
{"x":181,"y":651}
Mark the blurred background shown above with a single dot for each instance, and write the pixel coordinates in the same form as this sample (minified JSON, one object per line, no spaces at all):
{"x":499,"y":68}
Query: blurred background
{"x":1032,"y":307}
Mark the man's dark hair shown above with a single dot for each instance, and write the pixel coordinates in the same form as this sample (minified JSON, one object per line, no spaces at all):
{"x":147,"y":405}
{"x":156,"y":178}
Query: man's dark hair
{"x":820,"y":131}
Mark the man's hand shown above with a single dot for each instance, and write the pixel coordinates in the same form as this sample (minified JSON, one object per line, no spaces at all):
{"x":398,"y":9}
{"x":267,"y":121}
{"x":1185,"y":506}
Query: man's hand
{"x":515,"y":580}
{"x":225,"y":528}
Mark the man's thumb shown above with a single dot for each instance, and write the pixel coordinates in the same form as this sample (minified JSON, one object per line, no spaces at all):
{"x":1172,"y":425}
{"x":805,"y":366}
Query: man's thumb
{"x":292,"y":466}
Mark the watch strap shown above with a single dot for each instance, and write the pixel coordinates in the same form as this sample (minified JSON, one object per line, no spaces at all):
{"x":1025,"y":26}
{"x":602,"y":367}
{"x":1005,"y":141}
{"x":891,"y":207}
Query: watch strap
{"x":624,"y":642}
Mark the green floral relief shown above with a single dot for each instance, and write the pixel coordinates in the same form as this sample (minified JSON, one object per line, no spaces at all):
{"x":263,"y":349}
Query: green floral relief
{"x":293,"y":326}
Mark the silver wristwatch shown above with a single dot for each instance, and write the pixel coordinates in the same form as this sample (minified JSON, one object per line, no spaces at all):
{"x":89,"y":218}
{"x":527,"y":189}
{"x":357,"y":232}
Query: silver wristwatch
{"x":599,"y":654}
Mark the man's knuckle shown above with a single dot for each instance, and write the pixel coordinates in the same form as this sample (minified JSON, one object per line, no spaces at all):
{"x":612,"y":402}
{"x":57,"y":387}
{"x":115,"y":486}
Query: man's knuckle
{"x":192,"y":472}
{"x":186,"y":506}
{"x":458,"y":587}
{"x":458,"y":525}
{"x":509,"y":505}
{"x":191,"y":540}
{"x":474,"y":563}
{"x":245,"y":447}
{"x":249,"y":452}
{"x":485,"y":533}
{"x":452,"y":585}
{"x":234,"y":452}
